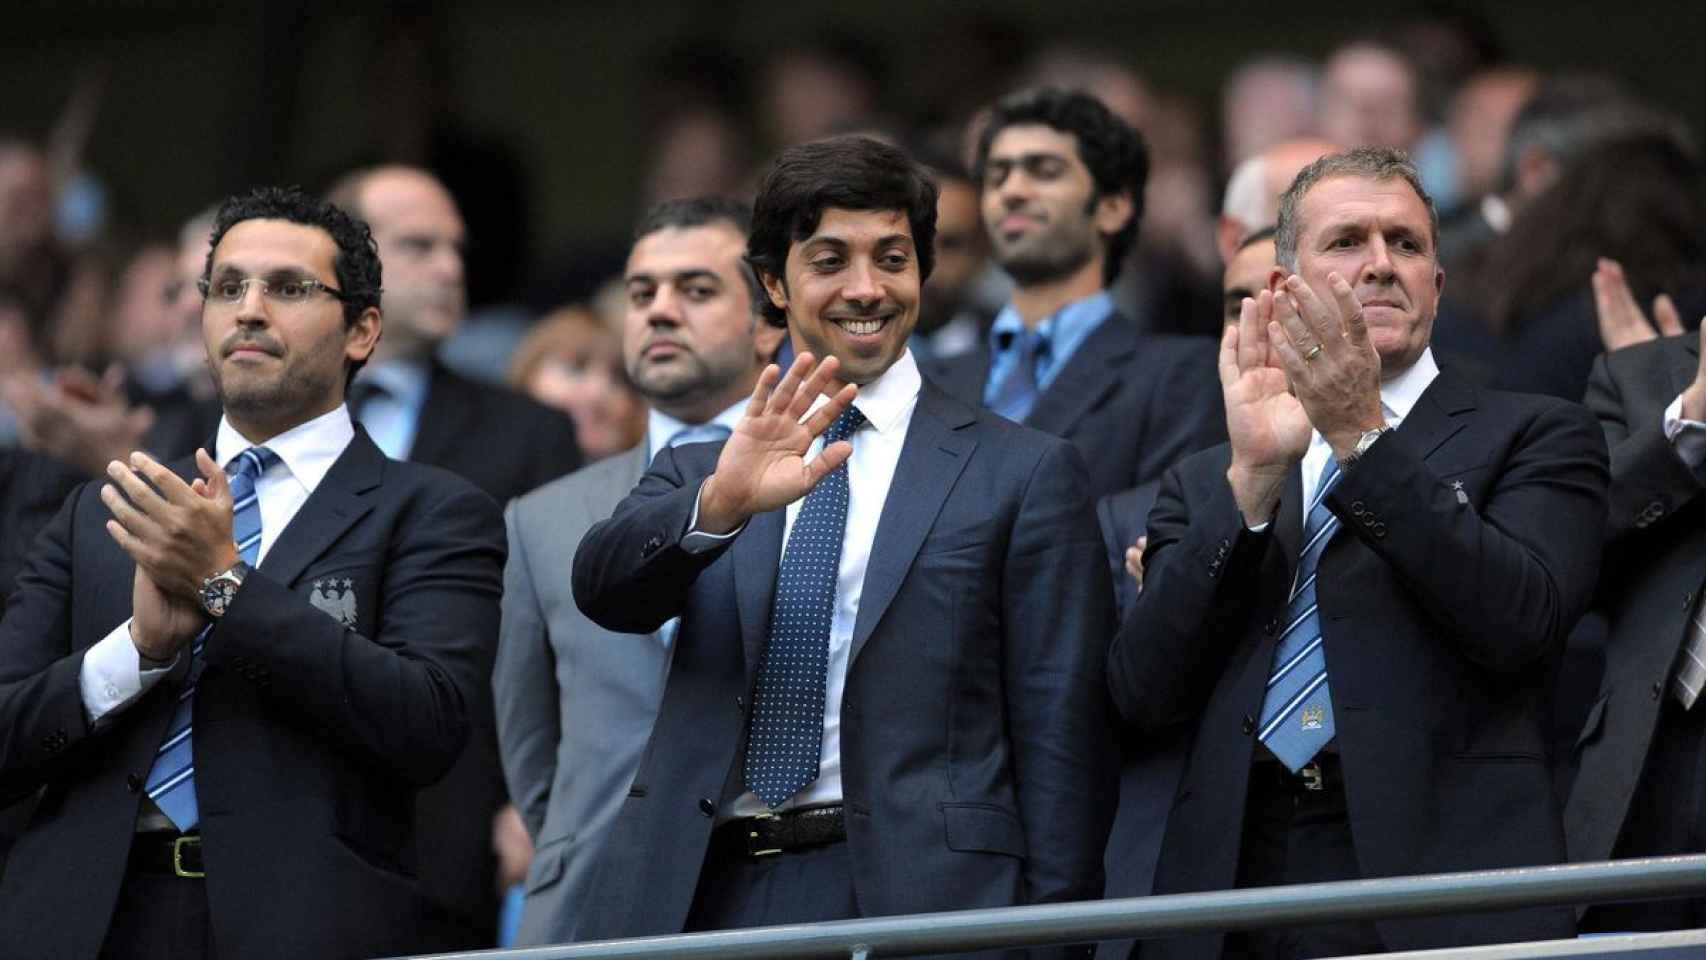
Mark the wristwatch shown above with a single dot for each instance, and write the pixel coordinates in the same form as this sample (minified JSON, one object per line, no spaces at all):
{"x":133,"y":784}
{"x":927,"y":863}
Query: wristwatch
{"x":1363,"y":443}
{"x":217,"y":590}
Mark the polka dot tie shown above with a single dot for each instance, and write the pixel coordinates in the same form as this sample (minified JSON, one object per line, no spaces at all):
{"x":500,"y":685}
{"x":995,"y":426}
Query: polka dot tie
{"x":786,"y":739}
{"x":171,"y":781}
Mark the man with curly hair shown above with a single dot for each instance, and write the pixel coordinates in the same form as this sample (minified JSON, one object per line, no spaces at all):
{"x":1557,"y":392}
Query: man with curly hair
{"x":227,"y":677}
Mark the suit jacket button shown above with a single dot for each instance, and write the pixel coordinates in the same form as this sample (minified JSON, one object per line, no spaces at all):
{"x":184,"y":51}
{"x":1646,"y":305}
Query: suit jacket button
{"x":1271,"y":627}
{"x":652,"y":546}
{"x":1357,"y":509}
{"x":1379,"y":530}
{"x":1658,"y":689}
{"x":132,"y":782}
{"x":706,"y":807}
{"x":740,"y":703}
{"x":1249,"y":725}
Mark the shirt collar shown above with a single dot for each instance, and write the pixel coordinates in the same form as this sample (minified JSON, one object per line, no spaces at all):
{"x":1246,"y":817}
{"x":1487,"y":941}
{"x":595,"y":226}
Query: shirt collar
{"x":1069,"y":323}
{"x":405,"y":380}
{"x":660,"y":426}
{"x":308,"y":450}
{"x":1401,"y":392}
{"x":888,"y":400}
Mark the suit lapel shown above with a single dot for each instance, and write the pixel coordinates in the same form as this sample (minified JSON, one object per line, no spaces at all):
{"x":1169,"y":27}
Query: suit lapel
{"x":1288,"y":523}
{"x":334,"y":506}
{"x":931,"y":461}
{"x":445,"y":417}
{"x":1094,"y":370}
{"x":1436,"y":416}
{"x":756,"y":553}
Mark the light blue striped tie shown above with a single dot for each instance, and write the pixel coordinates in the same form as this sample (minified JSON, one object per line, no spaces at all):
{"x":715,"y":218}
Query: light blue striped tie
{"x":1297,"y":711}
{"x":171,"y":781}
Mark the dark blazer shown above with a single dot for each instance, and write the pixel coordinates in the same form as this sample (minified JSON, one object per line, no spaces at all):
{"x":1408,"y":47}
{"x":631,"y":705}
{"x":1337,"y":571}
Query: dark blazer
{"x":507,"y":445}
{"x":310,"y":738}
{"x":1133,"y":404}
{"x":1655,"y":566}
{"x":974,"y":741}
{"x":1442,"y":622}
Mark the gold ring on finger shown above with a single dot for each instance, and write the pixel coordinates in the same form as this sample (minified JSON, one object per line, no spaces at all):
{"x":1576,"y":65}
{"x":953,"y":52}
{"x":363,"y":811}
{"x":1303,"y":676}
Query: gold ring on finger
{"x":1314,"y":352}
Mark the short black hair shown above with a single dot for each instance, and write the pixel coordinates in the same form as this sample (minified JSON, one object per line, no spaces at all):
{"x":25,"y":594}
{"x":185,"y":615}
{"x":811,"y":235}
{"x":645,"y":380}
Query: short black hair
{"x":848,"y":173}
{"x":356,"y":264}
{"x":689,"y":212}
{"x":1115,"y":154}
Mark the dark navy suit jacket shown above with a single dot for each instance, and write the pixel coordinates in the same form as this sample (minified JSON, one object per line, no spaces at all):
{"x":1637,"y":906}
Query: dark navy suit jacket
{"x":975,"y":743}
{"x":311,"y":736}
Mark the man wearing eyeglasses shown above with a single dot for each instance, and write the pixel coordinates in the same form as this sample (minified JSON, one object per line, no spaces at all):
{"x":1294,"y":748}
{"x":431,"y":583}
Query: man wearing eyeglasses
{"x":228,"y":676}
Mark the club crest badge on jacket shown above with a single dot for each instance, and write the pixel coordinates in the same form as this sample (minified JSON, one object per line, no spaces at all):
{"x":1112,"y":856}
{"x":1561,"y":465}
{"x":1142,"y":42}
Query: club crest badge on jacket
{"x":336,"y":599}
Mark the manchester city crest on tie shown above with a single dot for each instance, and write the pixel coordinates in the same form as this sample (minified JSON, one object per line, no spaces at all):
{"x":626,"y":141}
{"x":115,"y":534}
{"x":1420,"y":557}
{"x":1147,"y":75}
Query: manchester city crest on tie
{"x":336,"y":599}
{"x":1312,"y":718}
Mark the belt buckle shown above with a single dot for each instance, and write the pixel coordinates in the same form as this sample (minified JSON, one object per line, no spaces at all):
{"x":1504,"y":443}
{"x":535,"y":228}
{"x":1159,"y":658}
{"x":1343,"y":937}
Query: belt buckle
{"x":1312,"y":778}
{"x":752,"y":848}
{"x":178,"y":846}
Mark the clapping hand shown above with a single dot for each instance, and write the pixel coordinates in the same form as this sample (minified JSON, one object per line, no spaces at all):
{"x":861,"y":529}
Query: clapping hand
{"x":1266,"y":424}
{"x":763,"y":464}
{"x":1333,"y":366}
{"x":1621,"y":321}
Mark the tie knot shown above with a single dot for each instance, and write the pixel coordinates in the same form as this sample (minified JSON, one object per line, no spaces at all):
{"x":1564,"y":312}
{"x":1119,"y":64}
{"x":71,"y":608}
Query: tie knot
{"x":845,"y":425}
{"x":700,"y":433}
{"x":251,"y":463}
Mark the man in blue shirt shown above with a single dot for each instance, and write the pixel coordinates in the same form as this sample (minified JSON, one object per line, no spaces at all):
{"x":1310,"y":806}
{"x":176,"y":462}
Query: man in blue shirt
{"x":1062,"y":194}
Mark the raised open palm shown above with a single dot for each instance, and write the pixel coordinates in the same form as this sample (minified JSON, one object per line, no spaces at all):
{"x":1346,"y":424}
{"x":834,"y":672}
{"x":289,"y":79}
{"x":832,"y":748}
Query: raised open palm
{"x":763,"y":465}
{"x":1265,"y":423}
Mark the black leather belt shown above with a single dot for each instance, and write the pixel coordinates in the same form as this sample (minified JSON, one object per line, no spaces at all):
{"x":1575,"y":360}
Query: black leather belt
{"x":769,"y":834}
{"x":172,"y":854}
{"x":1315,"y":776}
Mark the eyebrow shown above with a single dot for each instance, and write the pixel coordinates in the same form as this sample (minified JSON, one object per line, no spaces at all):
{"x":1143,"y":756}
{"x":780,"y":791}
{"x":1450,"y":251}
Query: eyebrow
{"x":679,"y":276}
{"x":1030,"y":156}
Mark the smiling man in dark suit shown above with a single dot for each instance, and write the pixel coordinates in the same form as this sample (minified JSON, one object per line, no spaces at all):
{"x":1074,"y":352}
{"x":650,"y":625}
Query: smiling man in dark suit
{"x":882,"y":696}
{"x":1356,"y":607}
{"x":417,"y":409}
{"x":1062,"y":197}
{"x":228,"y":689}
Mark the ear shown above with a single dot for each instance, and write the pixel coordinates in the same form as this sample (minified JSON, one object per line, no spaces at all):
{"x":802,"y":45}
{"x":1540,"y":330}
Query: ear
{"x":363,"y":335}
{"x":1113,"y":212}
{"x":1439,"y":281}
{"x":1276,"y":278}
{"x":776,"y":288}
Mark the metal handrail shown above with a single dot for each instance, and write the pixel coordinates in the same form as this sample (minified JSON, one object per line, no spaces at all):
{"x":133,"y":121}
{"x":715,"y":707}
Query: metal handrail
{"x":1158,"y":916}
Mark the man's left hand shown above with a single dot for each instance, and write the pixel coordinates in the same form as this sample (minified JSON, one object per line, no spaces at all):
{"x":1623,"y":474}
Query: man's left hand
{"x":178,"y":532}
{"x":1333,"y":366}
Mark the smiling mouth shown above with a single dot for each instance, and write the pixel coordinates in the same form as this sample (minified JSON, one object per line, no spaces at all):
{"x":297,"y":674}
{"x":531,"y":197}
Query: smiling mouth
{"x":861,"y":326}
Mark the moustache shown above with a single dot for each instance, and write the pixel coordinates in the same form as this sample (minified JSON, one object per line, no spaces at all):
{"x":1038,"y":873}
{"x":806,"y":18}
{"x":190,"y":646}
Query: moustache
{"x":257,"y":341}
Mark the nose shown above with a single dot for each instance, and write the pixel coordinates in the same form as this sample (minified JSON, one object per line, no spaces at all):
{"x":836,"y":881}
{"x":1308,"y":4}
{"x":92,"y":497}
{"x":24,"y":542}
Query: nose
{"x":665,"y":308}
{"x":1378,"y":268}
{"x":252,"y":309}
{"x":862,"y":286}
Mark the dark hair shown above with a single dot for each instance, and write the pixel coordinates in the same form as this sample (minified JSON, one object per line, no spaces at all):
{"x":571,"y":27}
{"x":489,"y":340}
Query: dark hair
{"x":691,"y":212}
{"x":1115,"y":154}
{"x":1570,"y":115}
{"x":1640,"y":201}
{"x":1372,"y":163}
{"x":356,"y":264}
{"x":849,"y":173}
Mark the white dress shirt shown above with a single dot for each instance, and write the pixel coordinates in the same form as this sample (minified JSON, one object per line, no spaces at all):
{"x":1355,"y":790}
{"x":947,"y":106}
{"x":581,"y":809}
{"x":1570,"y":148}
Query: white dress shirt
{"x":1398,"y":397}
{"x":887,"y":403}
{"x":392,"y":413}
{"x":111,"y":676}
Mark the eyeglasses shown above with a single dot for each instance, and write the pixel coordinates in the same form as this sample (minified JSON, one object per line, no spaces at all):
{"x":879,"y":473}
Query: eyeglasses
{"x":281,"y":290}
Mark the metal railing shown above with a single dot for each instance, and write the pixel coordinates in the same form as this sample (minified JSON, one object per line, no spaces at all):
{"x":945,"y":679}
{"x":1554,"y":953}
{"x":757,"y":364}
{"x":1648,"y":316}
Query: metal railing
{"x":1157,"y":916}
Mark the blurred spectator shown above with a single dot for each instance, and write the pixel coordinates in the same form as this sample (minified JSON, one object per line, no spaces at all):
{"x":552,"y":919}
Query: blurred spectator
{"x":1369,"y":98}
{"x":415,"y":408}
{"x":572,"y":362}
{"x":1640,"y":201}
{"x":698,"y":151}
{"x":821,"y":86}
{"x":1265,"y":101}
{"x":1480,"y":123}
{"x":1253,"y":191}
{"x":1247,"y":272}
{"x":1100,"y":74}
{"x":32,"y":266}
{"x":956,"y":309}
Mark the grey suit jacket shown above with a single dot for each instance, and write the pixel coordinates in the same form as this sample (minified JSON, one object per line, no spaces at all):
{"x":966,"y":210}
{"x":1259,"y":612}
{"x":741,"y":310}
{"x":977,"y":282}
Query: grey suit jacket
{"x":575,"y":702}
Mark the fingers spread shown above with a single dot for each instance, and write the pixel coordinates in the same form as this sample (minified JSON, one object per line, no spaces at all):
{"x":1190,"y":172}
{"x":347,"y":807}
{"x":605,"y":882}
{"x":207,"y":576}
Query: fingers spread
{"x":814,"y":385}
{"x":1230,"y":351}
{"x":762,"y":389}
{"x":1350,"y":309}
{"x":783,"y":397}
{"x":825,"y":415}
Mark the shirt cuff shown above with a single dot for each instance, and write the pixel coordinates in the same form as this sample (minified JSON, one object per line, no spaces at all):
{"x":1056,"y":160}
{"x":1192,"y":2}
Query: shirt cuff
{"x":1687,"y":436}
{"x":111,"y":677}
{"x":698,"y":541}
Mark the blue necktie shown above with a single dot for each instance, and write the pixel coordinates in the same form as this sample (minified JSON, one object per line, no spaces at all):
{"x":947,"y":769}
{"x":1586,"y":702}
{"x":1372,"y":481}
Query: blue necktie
{"x":171,"y":781}
{"x":1297,"y":711}
{"x":786,"y":740}
{"x":1017,"y":393}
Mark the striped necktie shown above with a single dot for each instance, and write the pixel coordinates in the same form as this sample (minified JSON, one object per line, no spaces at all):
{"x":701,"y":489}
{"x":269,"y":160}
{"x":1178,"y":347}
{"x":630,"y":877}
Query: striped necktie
{"x":171,"y":781}
{"x":1017,"y":394}
{"x":1691,"y":671}
{"x":1297,"y":710}
{"x":786,"y":744}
